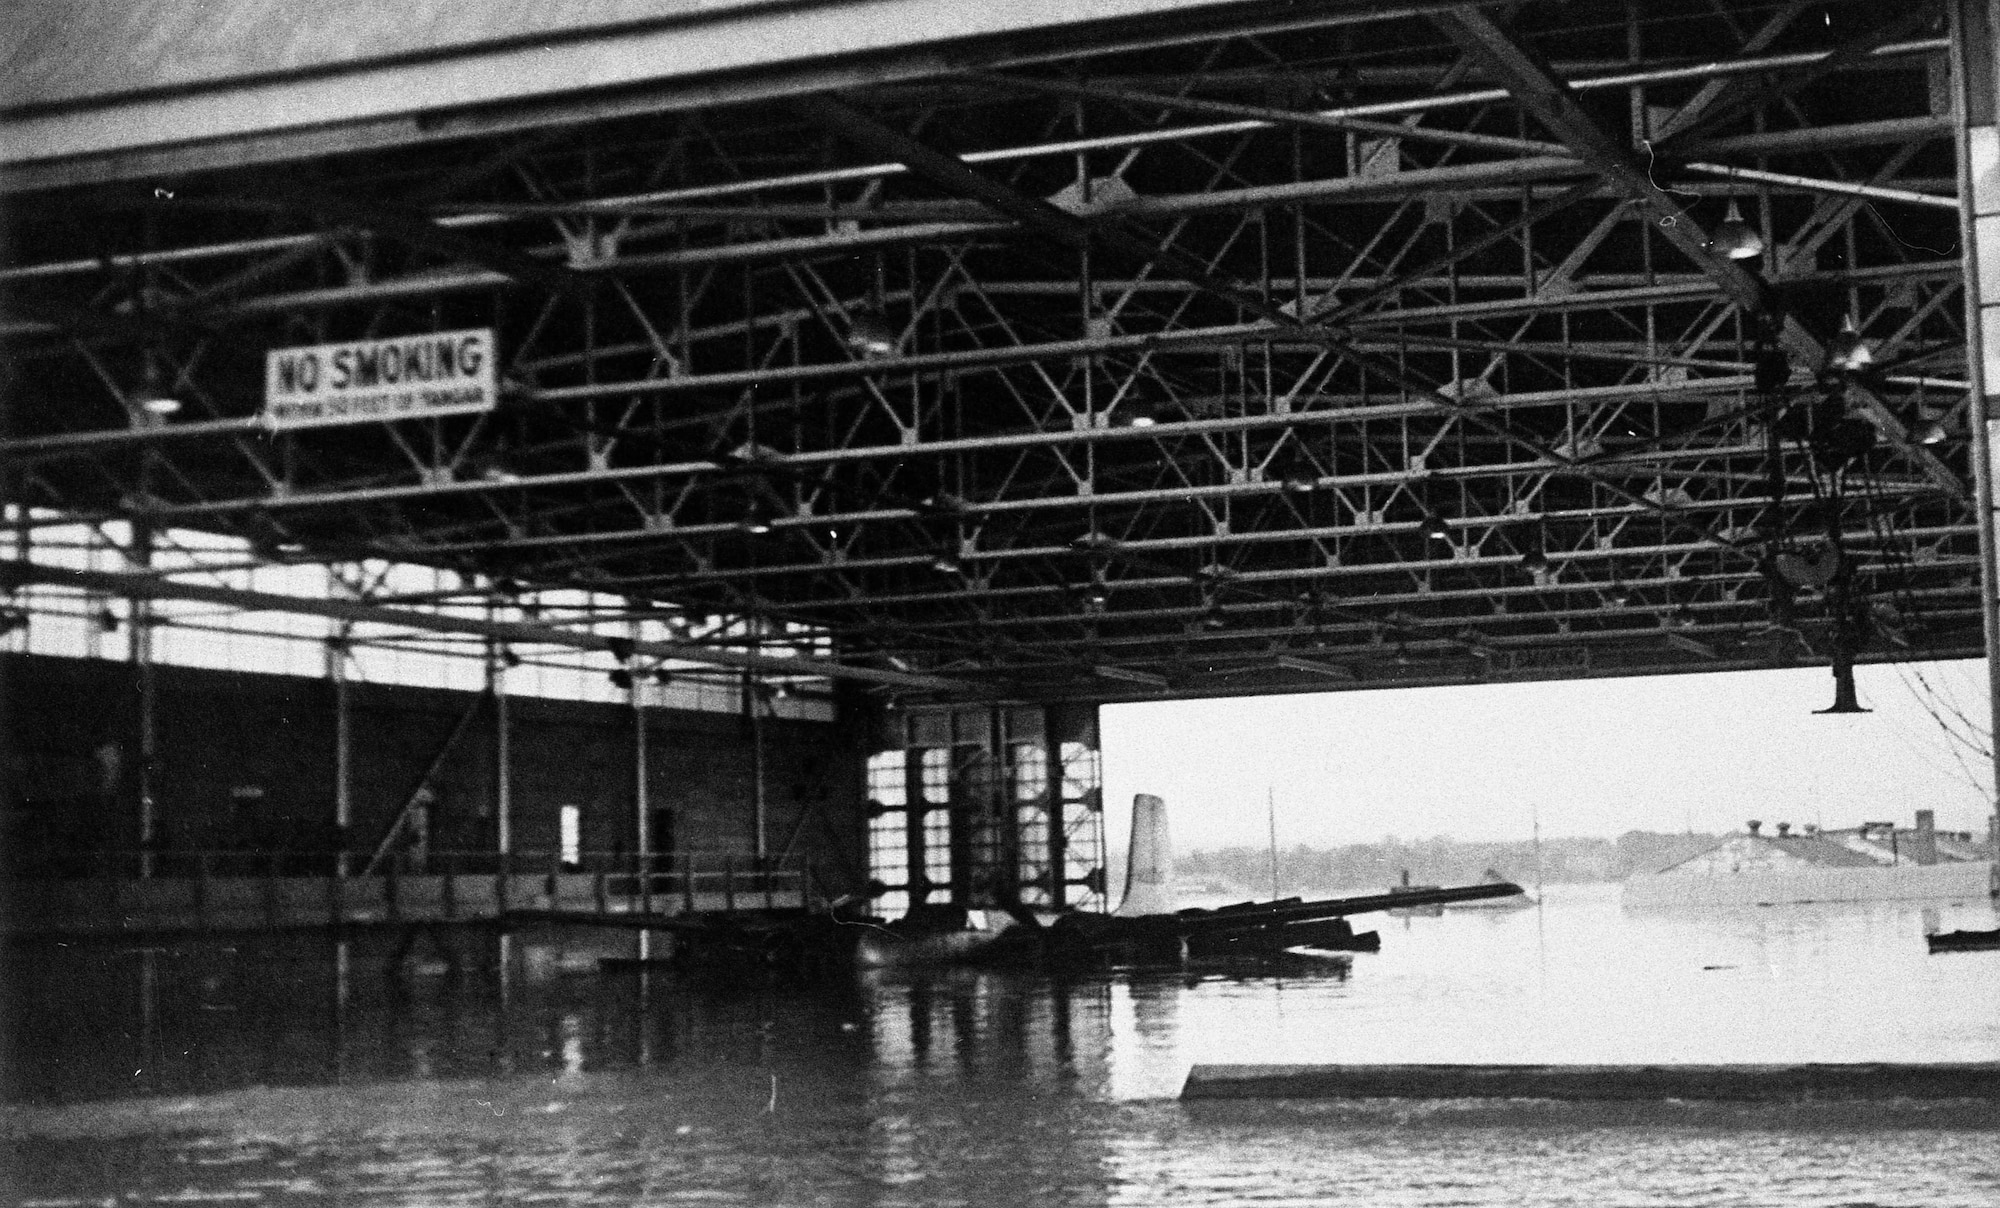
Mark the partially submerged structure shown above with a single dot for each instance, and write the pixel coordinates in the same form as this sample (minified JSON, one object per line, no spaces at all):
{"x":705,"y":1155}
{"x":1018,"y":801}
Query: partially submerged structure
{"x":1873,"y":861}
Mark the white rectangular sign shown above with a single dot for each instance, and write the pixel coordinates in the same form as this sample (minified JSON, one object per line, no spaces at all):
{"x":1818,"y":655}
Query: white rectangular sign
{"x":363,"y":381}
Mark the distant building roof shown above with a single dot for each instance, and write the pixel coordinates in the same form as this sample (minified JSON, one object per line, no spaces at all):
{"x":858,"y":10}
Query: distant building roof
{"x":1858,"y":847}
{"x":1814,"y":849}
{"x":1740,"y":852}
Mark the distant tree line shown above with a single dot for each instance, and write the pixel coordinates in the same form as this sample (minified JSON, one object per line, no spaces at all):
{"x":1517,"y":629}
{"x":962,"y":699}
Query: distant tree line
{"x":1438,"y":861}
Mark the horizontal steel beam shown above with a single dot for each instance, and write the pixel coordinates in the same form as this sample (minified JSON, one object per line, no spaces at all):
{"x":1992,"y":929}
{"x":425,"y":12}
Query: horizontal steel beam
{"x":800,"y":462}
{"x":156,"y":586}
{"x":1245,"y":580}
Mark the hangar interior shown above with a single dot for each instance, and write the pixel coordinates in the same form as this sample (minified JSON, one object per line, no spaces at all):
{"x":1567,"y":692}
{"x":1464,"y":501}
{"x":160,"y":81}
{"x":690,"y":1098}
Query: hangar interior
{"x":863,"y":408}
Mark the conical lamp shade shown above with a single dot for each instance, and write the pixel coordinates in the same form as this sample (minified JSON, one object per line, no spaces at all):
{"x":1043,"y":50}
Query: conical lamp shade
{"x":1736,"y":238}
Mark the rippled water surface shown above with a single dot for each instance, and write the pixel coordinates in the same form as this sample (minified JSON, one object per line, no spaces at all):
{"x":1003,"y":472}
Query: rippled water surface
{"x":301,"y":1071}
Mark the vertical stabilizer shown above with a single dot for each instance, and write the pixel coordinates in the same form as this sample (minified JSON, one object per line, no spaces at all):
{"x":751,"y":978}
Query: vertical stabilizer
{"x":1149,"y":863}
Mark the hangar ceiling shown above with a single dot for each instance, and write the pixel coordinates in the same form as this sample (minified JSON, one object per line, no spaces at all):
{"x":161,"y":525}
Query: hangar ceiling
{"x":1241,"y":350}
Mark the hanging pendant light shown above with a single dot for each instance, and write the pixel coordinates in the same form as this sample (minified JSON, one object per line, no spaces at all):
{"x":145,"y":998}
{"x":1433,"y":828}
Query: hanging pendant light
{"x":152,"y":397}
{"x":757,"y":520}
{"x":1849,"y":352}
{"x":1435,"y":527}
{"x":1137,"y":415}
{"x":1736,"y":238}
{"x":869,"y":334}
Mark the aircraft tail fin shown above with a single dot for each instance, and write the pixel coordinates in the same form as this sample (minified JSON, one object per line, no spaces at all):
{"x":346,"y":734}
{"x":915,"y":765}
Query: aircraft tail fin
{"x":1149,"y":861}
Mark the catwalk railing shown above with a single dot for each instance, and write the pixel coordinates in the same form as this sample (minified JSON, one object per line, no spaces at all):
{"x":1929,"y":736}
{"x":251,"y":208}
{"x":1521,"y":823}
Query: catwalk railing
{"x":196,"y":891}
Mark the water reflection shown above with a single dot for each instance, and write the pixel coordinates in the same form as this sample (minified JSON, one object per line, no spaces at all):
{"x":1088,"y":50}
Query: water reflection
{"x":386,"y":1069}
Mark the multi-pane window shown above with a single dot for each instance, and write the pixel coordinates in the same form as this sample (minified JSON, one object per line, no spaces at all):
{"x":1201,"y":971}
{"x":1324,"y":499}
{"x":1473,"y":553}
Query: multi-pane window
{"x":935,"y":765}
{"x":63,"y":621}
{"x":570,"y":826}
{"x":937,"y":848}
{"x":1031,"y":771}
{"x":889,"y":832}
{"x":1030,"y":776}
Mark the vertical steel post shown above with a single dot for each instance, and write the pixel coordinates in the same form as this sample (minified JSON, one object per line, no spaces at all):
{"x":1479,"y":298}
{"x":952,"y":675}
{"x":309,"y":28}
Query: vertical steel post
{"x":141,"y":556}
{"x":343,"y":748}
{"x":753,"y":692}
{"x":915,"y":860}
{"x":1058,"y":814}
{"x":1976,"y":108}
{"x":642,"y":831}
{"x":503,"y":773}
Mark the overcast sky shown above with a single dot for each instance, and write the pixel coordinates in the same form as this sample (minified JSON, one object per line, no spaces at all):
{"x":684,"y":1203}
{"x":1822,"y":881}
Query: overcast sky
{"x":1592,"y":757}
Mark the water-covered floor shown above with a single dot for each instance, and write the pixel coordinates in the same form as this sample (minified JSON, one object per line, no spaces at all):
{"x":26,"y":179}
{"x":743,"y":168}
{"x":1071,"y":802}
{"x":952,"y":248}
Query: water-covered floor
{"x":296,"y":1071}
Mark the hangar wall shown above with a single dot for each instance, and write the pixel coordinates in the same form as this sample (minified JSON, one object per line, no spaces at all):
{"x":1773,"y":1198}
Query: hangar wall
{"x":246,"y":763}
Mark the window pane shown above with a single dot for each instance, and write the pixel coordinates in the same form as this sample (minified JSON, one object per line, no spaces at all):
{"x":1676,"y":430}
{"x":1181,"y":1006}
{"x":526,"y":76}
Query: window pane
{"x":572,"y":835}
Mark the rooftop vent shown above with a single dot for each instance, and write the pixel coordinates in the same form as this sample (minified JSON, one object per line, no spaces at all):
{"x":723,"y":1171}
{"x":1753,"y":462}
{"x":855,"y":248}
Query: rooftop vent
{"x":1784,"y":830}
{"x":1754,"y":825}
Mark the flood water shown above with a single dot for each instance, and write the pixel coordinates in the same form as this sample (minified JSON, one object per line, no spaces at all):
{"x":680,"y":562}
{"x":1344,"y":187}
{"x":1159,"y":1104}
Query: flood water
{"x":299,"y":1071}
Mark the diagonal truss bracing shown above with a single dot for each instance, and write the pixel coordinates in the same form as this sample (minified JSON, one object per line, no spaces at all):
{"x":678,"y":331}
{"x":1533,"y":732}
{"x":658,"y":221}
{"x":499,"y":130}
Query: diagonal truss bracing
{"x":1402,"y":344}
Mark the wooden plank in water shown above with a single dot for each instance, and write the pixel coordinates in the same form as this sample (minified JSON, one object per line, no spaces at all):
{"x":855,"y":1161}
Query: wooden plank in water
{"x":1771,"y":1083}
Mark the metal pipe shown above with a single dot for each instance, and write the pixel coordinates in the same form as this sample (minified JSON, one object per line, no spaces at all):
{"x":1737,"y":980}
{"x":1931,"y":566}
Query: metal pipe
{"x":1814,"y":184}
{"x":29,"y":447}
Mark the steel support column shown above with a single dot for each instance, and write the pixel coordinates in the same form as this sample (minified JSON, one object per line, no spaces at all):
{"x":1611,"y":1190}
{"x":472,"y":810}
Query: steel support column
{"x":503,"y":762}
{"x":343,"y":747}
{"x":146,"y":685}
{"x":642,"y":831}
{"x":1978,"y":113}
{"x":753,"y":701}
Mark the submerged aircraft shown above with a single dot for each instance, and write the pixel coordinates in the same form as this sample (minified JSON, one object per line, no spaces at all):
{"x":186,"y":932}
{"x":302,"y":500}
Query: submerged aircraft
{"x":1149,"y":929}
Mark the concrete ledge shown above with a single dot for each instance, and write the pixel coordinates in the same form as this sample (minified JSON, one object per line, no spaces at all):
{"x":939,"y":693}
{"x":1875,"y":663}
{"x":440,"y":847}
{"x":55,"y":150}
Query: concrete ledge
{"x":1753,"y":1083}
